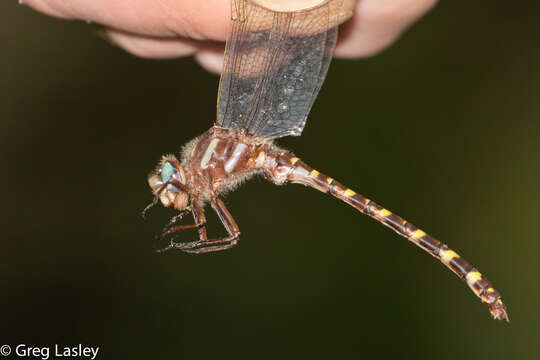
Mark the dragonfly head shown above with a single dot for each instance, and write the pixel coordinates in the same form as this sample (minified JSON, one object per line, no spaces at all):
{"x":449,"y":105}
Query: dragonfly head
{"x":168,"y":181}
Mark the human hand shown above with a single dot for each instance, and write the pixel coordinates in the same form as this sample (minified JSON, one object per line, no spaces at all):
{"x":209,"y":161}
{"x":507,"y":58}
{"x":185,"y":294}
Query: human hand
{"x":175,"y":28}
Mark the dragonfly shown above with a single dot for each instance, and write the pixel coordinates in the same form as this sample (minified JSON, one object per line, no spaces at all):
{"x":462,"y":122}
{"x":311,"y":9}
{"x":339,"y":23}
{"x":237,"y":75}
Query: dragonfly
{"x":274,"y":65}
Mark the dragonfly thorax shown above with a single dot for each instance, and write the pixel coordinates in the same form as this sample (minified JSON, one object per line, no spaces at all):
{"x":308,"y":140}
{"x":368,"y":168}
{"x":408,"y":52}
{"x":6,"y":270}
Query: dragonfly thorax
{"x":168,"y":182}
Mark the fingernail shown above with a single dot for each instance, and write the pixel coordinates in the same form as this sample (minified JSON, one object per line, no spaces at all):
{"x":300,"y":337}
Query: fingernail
{"x":102,"y":33}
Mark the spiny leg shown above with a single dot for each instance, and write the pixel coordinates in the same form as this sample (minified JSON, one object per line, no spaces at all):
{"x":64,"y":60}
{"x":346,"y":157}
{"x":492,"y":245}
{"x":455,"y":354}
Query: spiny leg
{"x":199,"y":222}
{"x":204,"y":245}
{"x":149,"y":206}
{"x":208,"y":249}
{"x":169,"y":228}
{"x":288,"y":168}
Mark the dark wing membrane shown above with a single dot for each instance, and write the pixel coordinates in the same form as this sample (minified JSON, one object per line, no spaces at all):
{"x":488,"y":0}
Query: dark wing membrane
{"x":275,"y":64}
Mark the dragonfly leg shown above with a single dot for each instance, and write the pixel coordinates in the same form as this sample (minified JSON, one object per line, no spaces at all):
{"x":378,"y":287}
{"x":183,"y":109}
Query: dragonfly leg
{"x":149,"y":206}
{"x":167,"y":229}
{"x":199,"y":222}
{"x":204,"y":245}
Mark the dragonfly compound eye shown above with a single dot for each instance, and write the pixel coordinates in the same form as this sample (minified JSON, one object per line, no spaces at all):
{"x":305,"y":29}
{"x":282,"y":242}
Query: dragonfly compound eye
{"x":167,"y":170}
{"x":167,"y":181}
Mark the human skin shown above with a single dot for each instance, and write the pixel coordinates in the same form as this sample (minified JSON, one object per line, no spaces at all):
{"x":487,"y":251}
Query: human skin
{"x":176,"y":28}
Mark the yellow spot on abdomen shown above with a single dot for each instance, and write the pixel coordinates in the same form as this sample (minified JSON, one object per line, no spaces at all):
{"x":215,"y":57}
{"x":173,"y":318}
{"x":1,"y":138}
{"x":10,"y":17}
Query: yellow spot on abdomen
{"x":329,"y":180}
{"x":315,"y":173}
{"x":384,"y":212}
{"x":447,"y":256}
{"x":294,"y":160}
{"x":417,"y":234}
{"x":349,"y":192}
{"x":473,"y":277}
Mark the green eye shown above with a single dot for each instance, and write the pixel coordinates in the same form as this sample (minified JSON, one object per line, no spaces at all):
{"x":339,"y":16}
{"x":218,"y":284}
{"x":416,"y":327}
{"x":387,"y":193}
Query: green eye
{"x":167,"y":170}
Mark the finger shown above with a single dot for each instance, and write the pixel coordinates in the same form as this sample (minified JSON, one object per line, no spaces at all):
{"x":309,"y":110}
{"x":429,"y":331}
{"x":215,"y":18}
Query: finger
{"x":209,"y":54}
{"x":211,"y":58}
{"x":375,"y":25}
{"x":195,"y":19}
{"x":153,"y":47}
{"x":378,"y":23}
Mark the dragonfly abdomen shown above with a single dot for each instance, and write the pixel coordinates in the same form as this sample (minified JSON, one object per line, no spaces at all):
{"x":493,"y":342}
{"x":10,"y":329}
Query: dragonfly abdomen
{"x":289,"y":168}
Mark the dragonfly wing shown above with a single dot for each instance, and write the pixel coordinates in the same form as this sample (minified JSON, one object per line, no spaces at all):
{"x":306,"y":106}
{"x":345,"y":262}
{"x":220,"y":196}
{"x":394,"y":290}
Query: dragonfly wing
{"x":275,"y":63}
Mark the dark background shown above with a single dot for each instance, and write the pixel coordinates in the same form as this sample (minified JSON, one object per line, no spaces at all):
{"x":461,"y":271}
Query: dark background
{"x":442,"y":129}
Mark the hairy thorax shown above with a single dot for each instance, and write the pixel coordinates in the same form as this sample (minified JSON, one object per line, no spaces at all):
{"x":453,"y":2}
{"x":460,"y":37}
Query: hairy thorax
{"x":221,"y":159}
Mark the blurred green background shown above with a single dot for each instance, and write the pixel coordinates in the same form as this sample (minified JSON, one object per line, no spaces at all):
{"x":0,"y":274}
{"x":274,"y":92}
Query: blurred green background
{"x":442,"y":129}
